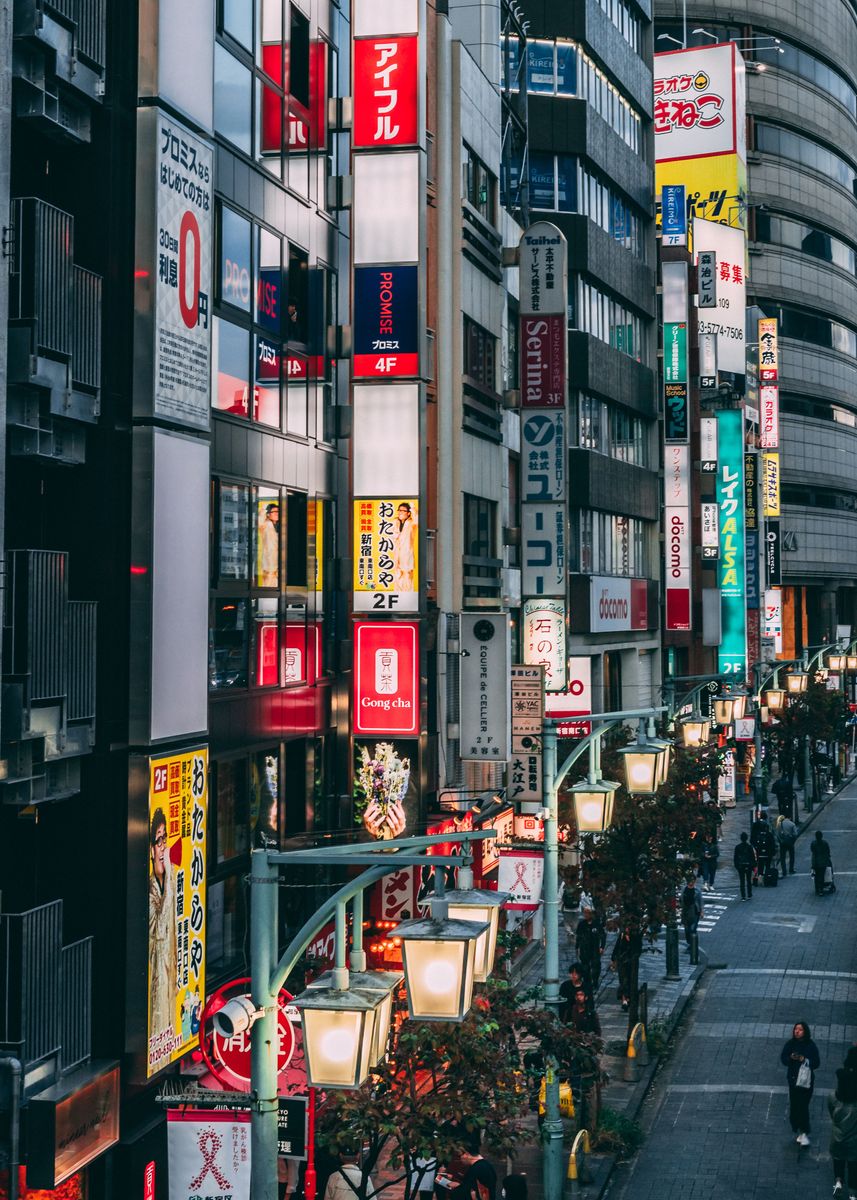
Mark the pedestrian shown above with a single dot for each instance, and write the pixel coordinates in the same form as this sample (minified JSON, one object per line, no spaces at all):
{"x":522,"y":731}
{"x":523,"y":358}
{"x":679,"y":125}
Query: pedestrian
{"x":842,"y":1107}
{"x":762,"y":841}
{"x":801,"y":1058}
{"x":576,"y":979}
{"x":708,"y":862}
{"x":786,"y":838}
{"x":744,"y":861}
{"x":582,"y":1015}
{"x":346,"y":1182}
{"x":479,"y":1181}
{"x":514,"y":1187}
{"x":821,"y":860}
{"x":715,"y":818}
{"x":627,"y":951}
{"x":784,"y":793}
{"x":590,"y":940}
{"x":691,"y":909}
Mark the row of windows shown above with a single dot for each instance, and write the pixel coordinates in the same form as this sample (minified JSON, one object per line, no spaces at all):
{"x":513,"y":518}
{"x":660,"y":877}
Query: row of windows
{"x":778,"y":230}
{"x":625,"y":21}
{"x":608,"y":544}
{"x":479,"y":185}
{"x":611,"y":430}
{"x":810,"y":406}
{"x":561,"y":183}
{"x":593,"y":311}
{"x":773,"y":139}
{"x":563,"y":69}
{"x":260,"y":643}
{"x":806,"y":325}
{"x":807,"y":497}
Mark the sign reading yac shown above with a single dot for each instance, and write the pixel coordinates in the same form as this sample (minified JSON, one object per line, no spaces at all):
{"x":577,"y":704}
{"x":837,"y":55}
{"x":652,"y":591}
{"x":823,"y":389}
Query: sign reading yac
{"x":385,"y":92}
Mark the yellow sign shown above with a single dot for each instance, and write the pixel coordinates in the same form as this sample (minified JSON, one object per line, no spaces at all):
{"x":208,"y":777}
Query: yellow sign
{"x":771,"y":484}
{"x":178,"y":804}
{"x":716,"y":187}
{"x":386,"y":555}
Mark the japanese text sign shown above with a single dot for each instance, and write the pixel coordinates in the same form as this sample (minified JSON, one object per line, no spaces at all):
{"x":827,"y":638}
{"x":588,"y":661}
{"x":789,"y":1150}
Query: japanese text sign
{"x":674,"y":215}
{"x":485,"y":697}
{"x":386,"y":328}
{"x":386,"y":107}
{"x":386,"y":677}
{"x":543,"y":455}
{"x":732,"y":654}
{"x":706,"y":279}
{"x":386,"y":555}
{"x":699,"y":103}
{"x":675,"y":382}
{"x":727,"y":319}
{"x":543,"y":544}
{"x":769,"y":359}
{"x":209,"y":1153}
{"x":543,"y":640}
{"x":771,"y":484}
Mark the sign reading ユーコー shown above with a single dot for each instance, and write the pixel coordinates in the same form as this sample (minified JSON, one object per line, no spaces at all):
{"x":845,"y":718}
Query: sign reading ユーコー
{"x":182,"y":275}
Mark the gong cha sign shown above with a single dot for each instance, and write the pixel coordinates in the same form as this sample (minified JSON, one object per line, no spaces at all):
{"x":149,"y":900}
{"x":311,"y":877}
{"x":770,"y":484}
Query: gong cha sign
{"x":209,"y":1153}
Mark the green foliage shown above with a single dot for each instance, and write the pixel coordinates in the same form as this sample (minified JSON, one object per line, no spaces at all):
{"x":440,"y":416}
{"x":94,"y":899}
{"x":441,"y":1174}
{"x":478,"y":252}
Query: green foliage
{"x":617,"y":1134}
{"x":657,"y":1037}
{"x":818,"y":714}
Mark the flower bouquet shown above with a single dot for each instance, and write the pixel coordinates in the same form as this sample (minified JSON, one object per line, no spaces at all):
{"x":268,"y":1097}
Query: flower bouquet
{"x":380,"y":785}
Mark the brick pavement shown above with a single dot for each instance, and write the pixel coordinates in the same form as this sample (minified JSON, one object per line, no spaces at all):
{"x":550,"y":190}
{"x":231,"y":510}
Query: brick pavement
{"x":717,"y":1118}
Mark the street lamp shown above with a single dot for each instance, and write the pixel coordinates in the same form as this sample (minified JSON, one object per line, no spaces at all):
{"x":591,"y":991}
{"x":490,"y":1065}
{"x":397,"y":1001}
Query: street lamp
{"x":775,"y":698}
{"x":739,"y":706}
{"x":593,"y":805}
{"x":482,"y":906}
{"x":796,"y":682}
{"x":836,"y":662}
{"x":695,"y":731}
{"x":642,"y":763}
{"x":339,"y":1035}
{"x":440,"y":966}
{"x":666,"y":749}
{"x":851,"y":662}
{"x":724,"y":707}
{"x":371,"y":983}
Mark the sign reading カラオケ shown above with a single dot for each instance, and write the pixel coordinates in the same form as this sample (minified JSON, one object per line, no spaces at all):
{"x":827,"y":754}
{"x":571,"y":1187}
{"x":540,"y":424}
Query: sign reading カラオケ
{"x":182,"y":277}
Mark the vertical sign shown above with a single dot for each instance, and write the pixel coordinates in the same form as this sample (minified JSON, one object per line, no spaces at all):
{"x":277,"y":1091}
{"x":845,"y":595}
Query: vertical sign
{"x":751,"y":503}
{"x":710,"y":532}
{"x":727,"y":320}
{"x":773,"y":568}
{"x":208,"y":1152}
{"x":544,"y":320}
{"x":708,"y":445}
{"x":485,"y":699}
{"x":707,"y":362}
{"x":674,"y":215}
{"x":706,"y":279}
{"x":525,"y":765}
{"x":771,"y":484}
{"x":731,"y":567}
{"x":677,"y":546}
{"x":675,"y":381}
{"x":386,"y":677}
{"x":543,"y":640}
{"x":178,"y":802}
{"x":773,"y":626}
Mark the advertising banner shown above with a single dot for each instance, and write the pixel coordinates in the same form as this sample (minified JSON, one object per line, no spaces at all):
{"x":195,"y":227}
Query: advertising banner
{"x":178,"y":804}
{"x":386,"y":677}
{"x":485,"y":720}
{"x":728,"y":319}
{"x":708,"y":445}
{"x":521,"y":874}
{"x":677,"y":545}
{"x":754,"y":587}
{"x":386,"y":324}
{"x":706,"y":274}
{"x":674,"y":215}
{"x":181,"y":254}
{"x":386,"y":438}
{"x":699,"y":103}
{"x":773,"y":548}
{"x":543,"y":314}
{"x":769,"y":354}
{"x":572,"y":706}
{"x":675,"y":382}
{"x":543,"y":361}
{"x":543,"y":455}
{"x":386,"y":555}
{"x":386,"y":93}
{"x":769,"y":401}
{"x":528,"y":699}
{"x":731,"y":568}
{"x":543,"y":550}
{"x":209,"y":1153}
{"x":716,"y":187}
{"x":544,"y":642}
{"x":710,"y":532}
{"x":385,"y":787}
{"x":617,"y":605}
{"x":751,"y":503}
{"x":773,"y":617}
{"x":771,"y":484}
{"x":708,"y":364}
{"x":543,"y":270}
{"x":525,"y":764}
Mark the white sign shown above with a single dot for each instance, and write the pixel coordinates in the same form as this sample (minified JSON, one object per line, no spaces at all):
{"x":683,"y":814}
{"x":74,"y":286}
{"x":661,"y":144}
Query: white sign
{"x":385,"y":232}
{"x":727,"y":320}
{"x":769,"y":400}
{"x":386,"y":441}
{"x":575,"y":702}
{"x":184,"y":202}
{"x":543,"y":270}
{"x":543,"y":454}
{"x":544,"y":640}
{"x":773,"y":617}
{"x":209,"y":1153}
{"x":708,"y":367}
{"x":706,"y":279}
{"x":745,"y":729}
{"x":676,"y":475}
{"x":616,"y":604}
{"x":710,"y":531}
{"x":726,"y":780}
{"x":521,"y":874}
{"x":708,"y":444}
{"x":543,"y":549}
{"x":485,"y":697}
{"x":700,"y":103}
{"x":528,"y":700}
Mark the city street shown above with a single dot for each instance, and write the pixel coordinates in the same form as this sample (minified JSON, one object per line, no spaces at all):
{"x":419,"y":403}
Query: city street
{"x":716,"y":1121}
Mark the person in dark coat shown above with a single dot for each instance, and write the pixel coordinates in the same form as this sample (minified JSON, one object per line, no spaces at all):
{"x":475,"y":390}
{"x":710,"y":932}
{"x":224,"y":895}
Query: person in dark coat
{"x":821,"y":860}
{"x":842,"y":1107}
{"x":800,"y":1048}
{"x":627,"y":951}
{"x":567,"y":990}
{"x":709,"y":854}
{"x":785,"y":794}
{"x":744,"y":861}
{"x":582,"y":1015}
{"x":764,"y":843}
{"x":786,"y":838}
{"x":590,"y":940}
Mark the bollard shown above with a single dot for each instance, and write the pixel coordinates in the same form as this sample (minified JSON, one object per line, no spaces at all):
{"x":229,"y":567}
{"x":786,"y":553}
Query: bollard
{"x":643,"y":1052}
{"x":631,"y":1073}
{"x":672,"y":963}
{"x":694,"y":948}
{"x":575,"y":1176}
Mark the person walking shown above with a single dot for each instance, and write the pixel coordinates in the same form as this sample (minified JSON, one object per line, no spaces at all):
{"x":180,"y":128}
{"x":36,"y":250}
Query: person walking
{"x":744,"y":861}
{"x":786,"y":832}
{"x":801,"y":1059}
{"x":820,"y":853}
{"x":762,"y":841}
{"x":691,"y":909}
{"x":784,"y":793}
{"x":590,"y":940}
{"x":568,"y":989}
{"x":627,"y":950}
{"x":708,"y":861}
{"x":582,"y":1015}
{"x":842,"y":1106}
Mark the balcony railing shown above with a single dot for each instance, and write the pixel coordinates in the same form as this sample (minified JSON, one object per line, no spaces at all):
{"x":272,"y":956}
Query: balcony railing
{"x":40,"y":286}
{"x":483,"y":580}
{"x":76,"y":1004}
{"x":30,"y":1010}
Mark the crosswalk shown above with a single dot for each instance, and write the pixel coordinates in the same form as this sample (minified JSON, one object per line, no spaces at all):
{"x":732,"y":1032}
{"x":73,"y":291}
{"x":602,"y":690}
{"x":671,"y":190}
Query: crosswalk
{"x":714,"y":905}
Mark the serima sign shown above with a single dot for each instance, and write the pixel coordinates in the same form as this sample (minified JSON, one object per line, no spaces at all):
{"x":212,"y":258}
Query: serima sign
{"x":485,"y":721}
{"x":543,"y":361}
{"x":386,"y":677}
{"x":386,"y":92}
{"x":543,"y":262}
{"x":386,"y":328}
{"x":700,"y":103}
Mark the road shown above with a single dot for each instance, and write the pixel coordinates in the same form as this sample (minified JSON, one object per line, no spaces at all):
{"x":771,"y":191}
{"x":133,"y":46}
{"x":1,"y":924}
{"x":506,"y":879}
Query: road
{"x":717,"y":1119}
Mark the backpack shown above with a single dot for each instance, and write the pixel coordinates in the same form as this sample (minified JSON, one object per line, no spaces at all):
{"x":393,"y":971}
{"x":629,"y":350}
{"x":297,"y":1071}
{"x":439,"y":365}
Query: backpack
{"x":689,"y":902}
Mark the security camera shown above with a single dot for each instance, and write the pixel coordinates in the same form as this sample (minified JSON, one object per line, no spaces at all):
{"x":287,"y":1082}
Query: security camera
{"x":236,"y":1017}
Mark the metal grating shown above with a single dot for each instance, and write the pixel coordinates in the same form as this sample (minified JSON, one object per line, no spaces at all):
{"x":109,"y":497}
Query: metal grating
{"x":86,"y":329}
{"x":76,"y":1003}
{"x":81,"y":659}
{"x":30,"y":960}
{"x":90,"y":19}
{"x":38,"y":616}
{"x":41,"y":279}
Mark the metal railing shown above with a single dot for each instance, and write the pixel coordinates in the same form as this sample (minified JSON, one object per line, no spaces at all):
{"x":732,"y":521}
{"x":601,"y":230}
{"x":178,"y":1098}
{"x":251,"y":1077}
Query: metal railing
{"x":82,"y":615}
{"x":30,"y":959}
{"x":86,"y":329}
{"x":37,"y":612}
{"x":90,"y":20}
{"x":76,"y":1004}
{"x":40,"y":288}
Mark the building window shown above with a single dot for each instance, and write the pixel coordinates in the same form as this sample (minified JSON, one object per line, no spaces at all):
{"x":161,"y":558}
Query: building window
{"x":561,"y":183}
{"x":480,"y":355}
{"x":596,"y":313}
{"x":807,"y":325}
{"x":609,"y":544}
{"x":625,"y":21}
{"x":774,"y":139}
{"x":776,"y":229}
{"x":480,"y":527}
{"x":480,"y":186}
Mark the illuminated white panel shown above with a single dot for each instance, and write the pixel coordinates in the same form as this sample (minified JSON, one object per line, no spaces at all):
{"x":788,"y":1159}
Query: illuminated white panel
{"x":386,"y":439}
{"x":379,"y":17}
{"x":386,"y":209}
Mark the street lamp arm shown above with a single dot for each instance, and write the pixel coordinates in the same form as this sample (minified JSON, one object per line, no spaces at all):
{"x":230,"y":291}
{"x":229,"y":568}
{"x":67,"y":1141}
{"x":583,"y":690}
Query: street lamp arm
{"x":598,"y":732}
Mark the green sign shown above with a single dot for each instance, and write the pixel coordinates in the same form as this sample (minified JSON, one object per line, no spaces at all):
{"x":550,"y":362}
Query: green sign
{"x":731,"y":567}
{"x":675,"y":381}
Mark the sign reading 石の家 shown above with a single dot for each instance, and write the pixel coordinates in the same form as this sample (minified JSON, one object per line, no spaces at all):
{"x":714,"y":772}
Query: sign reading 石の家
{"x":543,"y":640}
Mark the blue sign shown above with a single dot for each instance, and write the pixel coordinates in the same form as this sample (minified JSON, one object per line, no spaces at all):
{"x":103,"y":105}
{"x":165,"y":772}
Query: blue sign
{"x":674,"y":215}
{"x":386,"y":326}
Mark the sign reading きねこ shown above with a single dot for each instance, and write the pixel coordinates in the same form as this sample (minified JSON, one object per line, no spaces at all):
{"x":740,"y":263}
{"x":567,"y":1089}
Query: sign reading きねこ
{"x":209,"y":1154}
{"x":178,"y":801}
{"x":386,"y":677}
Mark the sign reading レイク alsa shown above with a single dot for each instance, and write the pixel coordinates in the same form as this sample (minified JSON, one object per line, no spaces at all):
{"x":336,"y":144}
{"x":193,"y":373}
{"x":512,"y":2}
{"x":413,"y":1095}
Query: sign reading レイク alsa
{"x":386,"y":677}
{"x":732,"y":654}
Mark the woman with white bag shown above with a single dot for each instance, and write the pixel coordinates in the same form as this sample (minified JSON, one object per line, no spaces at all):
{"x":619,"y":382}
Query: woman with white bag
{"x":801,"y":1058}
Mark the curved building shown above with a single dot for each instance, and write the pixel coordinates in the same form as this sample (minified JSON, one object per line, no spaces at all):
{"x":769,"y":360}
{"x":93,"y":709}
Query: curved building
{"x":802,"y":227}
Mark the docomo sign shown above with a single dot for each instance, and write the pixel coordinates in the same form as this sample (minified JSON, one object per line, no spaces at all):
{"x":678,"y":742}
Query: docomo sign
{"x":228,"y":1059}
{"x":617,"y":604}
{"x":386,"y":677}
{"x":677,"y":541}
{"x":386,"y":93}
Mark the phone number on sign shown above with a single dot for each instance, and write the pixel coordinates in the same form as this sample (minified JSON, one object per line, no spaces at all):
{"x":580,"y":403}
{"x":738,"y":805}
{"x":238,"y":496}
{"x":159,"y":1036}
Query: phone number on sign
{"x":727,"y":331}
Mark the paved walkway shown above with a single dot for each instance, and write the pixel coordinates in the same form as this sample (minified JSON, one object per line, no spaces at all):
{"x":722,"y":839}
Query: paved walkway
{"x":717,"y":1118}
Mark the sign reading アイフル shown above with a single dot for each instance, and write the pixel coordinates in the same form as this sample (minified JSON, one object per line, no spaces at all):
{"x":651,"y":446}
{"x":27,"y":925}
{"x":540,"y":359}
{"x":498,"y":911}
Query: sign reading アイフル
{"x":172,"y":340}
{"x":485,"y":697}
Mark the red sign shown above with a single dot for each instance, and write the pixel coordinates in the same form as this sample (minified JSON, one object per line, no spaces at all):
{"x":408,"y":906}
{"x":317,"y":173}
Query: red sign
{"x":678,"y":608}
{"x":395,"y":896}
{"x":529,"y":828}
{"x":228,"y":1059}
{"x":543,"y":361}
{"x":639,"y":604}
{"x":385,"y":92}
{"x":149,"y":1182}
{"x":386,"y":677}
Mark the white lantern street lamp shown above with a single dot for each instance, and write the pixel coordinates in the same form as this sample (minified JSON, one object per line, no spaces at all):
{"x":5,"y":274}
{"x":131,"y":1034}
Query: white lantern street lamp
{"x":593,"y":805}
{"x":723,"y":709}
{"x":440,"y":963}
{"x":371,"y":983}
{"x":695,"y":731}
{"x":796,"y":682}
{"x":339,"y":1033}
{"x":482,"y":906}
{"x":836,"y":662}
{"x":739,"y":706}
{"x":666,"y":749}
{"x":775,"y":698}
{"x":642,"y":765}
{"x":851,"y":662}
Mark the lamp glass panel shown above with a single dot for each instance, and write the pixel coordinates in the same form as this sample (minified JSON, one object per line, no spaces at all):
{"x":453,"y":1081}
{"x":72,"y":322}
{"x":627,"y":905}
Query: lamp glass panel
{"x":486,"y":943}
{"x":739,"y":706}
{"x":775,"y":697}
{"x":439,"y":974}
{"x":851,"y":662}
{"x":593,"y":810}
{"x":641,"y":771}
{"x":337,"y":1045}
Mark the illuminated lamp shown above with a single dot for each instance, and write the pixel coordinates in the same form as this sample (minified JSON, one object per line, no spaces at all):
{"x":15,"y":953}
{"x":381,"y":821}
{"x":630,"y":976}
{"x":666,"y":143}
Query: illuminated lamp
{"x":372,"y":984}
{"x":439,"y":957}
{"x":695,"y":731}
{"x":723,"y":709}
{"x":666,"y":749}
{"x":851,"y":662}
{"x":796,"y":682}
{"x":775,"y":698}
{"x":482,"y":906}
{"x":339,"y":1035}
{"x":836,"y":662}
{"x":593,"y":805}
{"x":642,"y":763}
{"x":739,"y":706}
